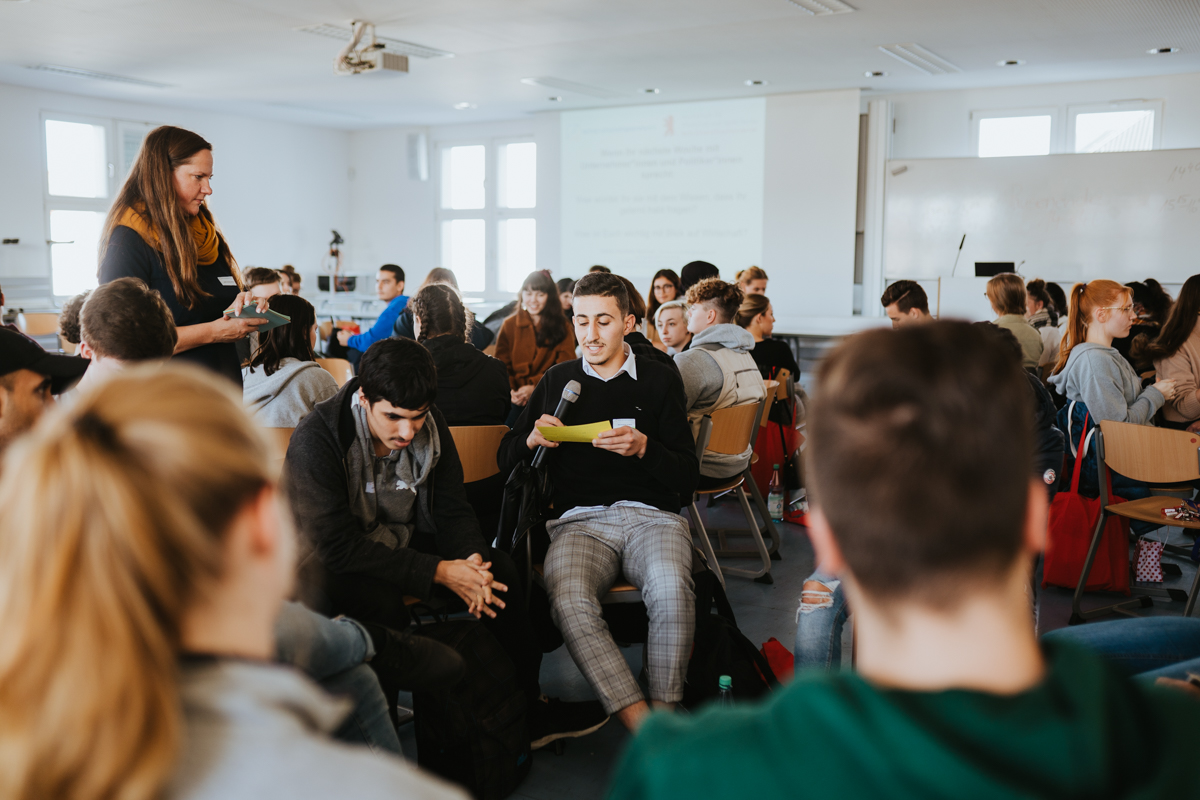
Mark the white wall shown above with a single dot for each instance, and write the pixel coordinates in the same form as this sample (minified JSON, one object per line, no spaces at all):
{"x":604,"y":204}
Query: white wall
{"x":278,"y":188}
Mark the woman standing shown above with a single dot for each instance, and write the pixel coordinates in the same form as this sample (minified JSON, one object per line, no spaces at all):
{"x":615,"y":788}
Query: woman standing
{"x":1176,"y":356}
{"x":663,"y":289}
{"x":535,"y":338}
{"x":160,"y":231}
{"x":758,"y":318}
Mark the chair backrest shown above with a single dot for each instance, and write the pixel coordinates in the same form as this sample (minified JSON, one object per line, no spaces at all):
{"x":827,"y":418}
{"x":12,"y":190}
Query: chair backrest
{"x":784,"y":377}
{"x":477,"y":446}
{"x":1152,"y":455}
{"x":325,"y":330}
{"x":38,"y":324}
{"x":280,"y":438}
{"x":339,"y":368}
{"x":733,"y":428}
{"x":772,"y":394}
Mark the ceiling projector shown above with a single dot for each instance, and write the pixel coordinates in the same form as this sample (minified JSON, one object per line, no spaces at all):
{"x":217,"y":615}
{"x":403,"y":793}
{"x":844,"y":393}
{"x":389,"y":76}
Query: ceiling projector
{"x":368,"y":58}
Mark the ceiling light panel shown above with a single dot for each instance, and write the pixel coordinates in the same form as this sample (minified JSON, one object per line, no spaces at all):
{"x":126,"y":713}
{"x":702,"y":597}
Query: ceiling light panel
{"x":394,"y":45}
{"x":919,"y":58}
{"x":822,"y":8}
{"x":98,"y":76}
{"x":571,"y":86}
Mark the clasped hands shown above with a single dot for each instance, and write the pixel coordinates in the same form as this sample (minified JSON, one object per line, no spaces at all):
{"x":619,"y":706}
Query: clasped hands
{"x":624,"y":441}
{"x":472,"y":580}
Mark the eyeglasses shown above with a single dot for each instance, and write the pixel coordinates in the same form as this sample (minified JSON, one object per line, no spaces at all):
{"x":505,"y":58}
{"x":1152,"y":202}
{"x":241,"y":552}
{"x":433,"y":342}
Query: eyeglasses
{"x":1126,"y":309}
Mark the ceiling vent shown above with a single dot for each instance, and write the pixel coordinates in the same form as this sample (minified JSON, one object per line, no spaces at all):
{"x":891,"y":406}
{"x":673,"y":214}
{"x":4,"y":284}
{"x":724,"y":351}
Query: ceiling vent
{"x":822,"y":8}
{"x":98,"y":76}
{"x":571,"y":86}
{"x":919,"y":58}
{"x":391,"y":45}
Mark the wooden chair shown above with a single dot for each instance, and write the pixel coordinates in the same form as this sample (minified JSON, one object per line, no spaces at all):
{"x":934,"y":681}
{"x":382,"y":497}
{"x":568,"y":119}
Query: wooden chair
{"x":280,"y":438}
{"x":477,"y":446}
{"x":730,"y":431}
{"x":1152,"y":455}
{"x":339,"y":368}
{"x":38,"y":324}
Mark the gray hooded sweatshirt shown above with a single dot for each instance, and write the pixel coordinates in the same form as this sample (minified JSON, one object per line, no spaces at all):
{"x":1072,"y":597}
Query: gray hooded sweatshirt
{"x":258,"y":730}
{"x":283,"y":398}
{"x":1100,"y":378}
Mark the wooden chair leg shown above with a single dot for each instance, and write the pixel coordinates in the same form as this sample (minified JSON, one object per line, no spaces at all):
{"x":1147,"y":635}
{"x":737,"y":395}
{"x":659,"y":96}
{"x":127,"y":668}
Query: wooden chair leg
{"x":1078,"y":615}
{"x":705,"y":544}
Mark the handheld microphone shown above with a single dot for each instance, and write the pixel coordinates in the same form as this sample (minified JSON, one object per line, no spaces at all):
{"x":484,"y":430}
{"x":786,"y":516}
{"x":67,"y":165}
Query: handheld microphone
{"x":570,"y":394}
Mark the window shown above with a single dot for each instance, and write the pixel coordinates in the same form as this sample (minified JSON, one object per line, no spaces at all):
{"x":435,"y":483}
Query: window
{"x":1115,"y":127}
{"x":1016,"y":132}
{"x":488,"y":214}
{"x":79,"y":186}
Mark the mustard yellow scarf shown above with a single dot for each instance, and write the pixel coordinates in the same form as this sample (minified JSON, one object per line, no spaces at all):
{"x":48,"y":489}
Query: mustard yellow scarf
{"x":204,"y":233}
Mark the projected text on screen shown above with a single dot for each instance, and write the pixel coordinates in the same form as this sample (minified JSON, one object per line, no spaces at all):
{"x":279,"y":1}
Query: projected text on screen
{"x":649,"y":187}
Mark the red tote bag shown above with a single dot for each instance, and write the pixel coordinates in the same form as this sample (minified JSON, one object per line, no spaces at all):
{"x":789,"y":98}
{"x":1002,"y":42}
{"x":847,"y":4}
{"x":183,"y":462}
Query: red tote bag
{"x":1073,"y":518}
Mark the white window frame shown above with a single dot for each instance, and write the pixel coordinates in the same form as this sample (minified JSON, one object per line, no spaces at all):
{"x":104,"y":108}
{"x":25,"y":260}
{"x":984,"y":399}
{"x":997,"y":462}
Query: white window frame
{"x":1156,"y":106}
{"x":1057,"y":143}
{"x":491,"y":213}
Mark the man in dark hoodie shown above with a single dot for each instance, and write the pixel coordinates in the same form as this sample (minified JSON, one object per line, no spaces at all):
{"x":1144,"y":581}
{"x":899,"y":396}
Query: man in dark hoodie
{"x":952,"y":695}
{"x":377,"y":487}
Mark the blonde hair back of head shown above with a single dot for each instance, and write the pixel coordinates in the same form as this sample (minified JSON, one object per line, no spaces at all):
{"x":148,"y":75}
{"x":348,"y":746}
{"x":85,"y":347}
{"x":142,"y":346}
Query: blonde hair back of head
{"x":1083,"y":300}
{"x":115,"y":512}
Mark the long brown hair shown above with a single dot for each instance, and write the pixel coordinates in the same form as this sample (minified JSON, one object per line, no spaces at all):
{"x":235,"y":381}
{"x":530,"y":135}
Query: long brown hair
{"x":1085,"y":298}
{"x":115,"y":514}
{"x":293,"y":340}
{"x":652,"y":303}
{"x":1179,"y":325}
{"x":150,"y":190}
{"x":552,"y":325}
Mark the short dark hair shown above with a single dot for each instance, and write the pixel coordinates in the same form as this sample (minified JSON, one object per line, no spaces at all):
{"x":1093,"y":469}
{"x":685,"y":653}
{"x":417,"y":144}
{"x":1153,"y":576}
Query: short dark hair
{"x":68,"y":318}
{"x":260,"y":276}
{"x":932,"y":425}
{"x":127,"y":320}
{"x":726,"y":298}
{"x":398,"y":370}
{"x":696,"y":271}
{"x":604,"y":284}
{"x":293,"y":340}
{"x":907,"y":295}
{"x":395,"y":270}
{"x":599,"y":268}
{"x":565,"y":285}
{"x":637,"y":306}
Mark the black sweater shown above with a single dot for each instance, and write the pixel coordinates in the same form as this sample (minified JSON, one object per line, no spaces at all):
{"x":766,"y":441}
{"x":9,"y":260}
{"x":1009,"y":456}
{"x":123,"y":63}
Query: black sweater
{"x":446,"y":528}
{"x":772,"y":355}
{"x":583,"y":475}
{"x":472,"y":387}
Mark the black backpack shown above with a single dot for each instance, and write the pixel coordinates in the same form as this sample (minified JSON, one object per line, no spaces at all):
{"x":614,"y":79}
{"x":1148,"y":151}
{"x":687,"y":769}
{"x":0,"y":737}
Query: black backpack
{"x":721,"y":649}
{"x":474,"y":734}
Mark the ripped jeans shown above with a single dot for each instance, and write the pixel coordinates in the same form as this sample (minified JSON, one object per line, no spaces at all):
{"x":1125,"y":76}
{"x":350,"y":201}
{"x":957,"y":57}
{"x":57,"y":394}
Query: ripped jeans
{"x":819,"y":624}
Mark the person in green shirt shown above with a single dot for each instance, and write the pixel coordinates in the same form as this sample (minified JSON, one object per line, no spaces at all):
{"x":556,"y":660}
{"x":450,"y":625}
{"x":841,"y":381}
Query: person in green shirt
{"x":921,"y":503}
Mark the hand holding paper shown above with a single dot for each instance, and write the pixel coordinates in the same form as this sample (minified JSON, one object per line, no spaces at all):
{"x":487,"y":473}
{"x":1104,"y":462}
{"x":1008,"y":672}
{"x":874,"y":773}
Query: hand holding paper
{"x":574,"y":433}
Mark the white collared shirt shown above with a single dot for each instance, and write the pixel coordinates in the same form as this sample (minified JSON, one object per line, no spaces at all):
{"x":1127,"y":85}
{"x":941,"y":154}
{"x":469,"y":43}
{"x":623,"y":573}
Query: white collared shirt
{"x":629,"y":366}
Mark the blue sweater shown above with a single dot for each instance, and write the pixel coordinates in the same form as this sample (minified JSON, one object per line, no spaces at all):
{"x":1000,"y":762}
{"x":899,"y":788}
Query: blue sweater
{"x":382,"y":328}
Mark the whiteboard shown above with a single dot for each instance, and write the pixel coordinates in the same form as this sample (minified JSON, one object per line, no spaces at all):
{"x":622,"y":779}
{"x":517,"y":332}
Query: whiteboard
{"x":1124,"y":216}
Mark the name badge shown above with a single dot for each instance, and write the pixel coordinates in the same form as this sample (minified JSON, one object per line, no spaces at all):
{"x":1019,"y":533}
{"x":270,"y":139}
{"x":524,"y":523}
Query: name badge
{"x":624,"y":423}
{"x":370,"y":488}
{"x":227,"y":280}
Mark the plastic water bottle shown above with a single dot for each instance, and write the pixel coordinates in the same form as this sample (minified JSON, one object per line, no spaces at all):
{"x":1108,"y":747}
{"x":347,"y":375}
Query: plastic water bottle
{"x":725,"y":691}
{"x":775,"y":496}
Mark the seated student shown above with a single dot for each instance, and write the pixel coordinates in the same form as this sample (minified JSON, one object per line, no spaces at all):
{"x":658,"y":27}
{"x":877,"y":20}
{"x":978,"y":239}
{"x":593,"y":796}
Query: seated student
{"x":68,"y":321}
{"x":1042,"y":315}
{"x":695,"y":271}
{"x":534,"y":338}
{"x":905,"y":303}
{"x":756,"y":315}
{"x":1006,"y":293}
{"x":1150,"y":649}
{"x":282,"y":382}
{"x":566,"y":294}
{"x":29,"y":379}
{"x":664,"y":288}
{"x":472,"y":387}
{"x":376,"y":484}
{"x":123,"y":322}
{"x":751,"y":280}
{"x":155,"y":678}
{"x":718,"y":371}
{"x":637,"y":341}
{"x":1175,"y":354}
{"x":599,"y":268}
{"x":481,"y":337}
{"x":949,"y":672}
{"x":262,"y":282}
{"x":616,"y":501}
{"x":671,"y":323}
{"x":389,"y":286}
{"x":290,"y":280}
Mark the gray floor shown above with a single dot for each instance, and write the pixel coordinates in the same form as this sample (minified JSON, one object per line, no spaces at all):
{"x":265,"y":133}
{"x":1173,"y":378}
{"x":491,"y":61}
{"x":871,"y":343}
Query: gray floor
{"x":584,"y":770}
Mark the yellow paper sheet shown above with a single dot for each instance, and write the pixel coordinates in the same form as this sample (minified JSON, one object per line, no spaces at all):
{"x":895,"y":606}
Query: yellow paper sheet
{"x":575,"y":433}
